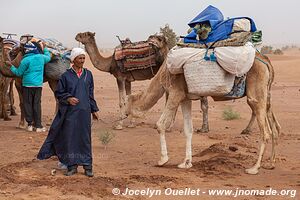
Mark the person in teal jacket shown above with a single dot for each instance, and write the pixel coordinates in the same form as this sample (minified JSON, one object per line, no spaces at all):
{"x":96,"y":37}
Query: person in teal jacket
{"x":31,"y":70}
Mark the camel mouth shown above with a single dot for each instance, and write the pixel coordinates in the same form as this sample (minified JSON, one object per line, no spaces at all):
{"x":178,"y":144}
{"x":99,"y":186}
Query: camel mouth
{"x":77,"y":37}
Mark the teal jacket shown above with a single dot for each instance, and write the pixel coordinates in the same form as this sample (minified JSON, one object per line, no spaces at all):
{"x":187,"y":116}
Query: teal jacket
{"x":31,"y":68}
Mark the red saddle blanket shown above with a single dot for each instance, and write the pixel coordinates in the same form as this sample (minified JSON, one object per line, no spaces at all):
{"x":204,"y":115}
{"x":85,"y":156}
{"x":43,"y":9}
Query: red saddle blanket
{"x":137,"y":55}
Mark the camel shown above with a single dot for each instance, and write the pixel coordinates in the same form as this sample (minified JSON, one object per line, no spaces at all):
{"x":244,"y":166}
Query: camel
{"x":258,"y":85}
{"x":5,"y":71}
{"x":6,"y":97}
{"x":123,"y":79}
{"x":6,"y":91}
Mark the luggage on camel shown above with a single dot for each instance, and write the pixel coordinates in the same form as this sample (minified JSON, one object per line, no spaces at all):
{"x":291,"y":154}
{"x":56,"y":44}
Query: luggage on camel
{"x":221,"y":55}
{"x":136,"y":55}
{"x":206,"y":78}
{"x":220,"y":29}
{"x":60,"y":60}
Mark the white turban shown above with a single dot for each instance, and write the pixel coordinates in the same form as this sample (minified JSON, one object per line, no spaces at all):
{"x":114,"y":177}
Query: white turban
{"x":76,"y":52}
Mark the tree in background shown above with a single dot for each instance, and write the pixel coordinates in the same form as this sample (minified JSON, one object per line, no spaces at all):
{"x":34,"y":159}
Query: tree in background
{"x":266,"y":50}
{"x":169,"y":34}
{"x":278,"y":52}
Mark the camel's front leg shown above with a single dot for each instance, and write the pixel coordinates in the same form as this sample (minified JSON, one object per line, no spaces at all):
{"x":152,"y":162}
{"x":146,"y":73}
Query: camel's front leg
{"x":4,"y":88}
{"x":128,"y":92}
{"x":53,"y":85}
{"x":186,"y":107}
{"x":166,"y":120}
{"x":204,"y":108}
{"x":122,"y":96}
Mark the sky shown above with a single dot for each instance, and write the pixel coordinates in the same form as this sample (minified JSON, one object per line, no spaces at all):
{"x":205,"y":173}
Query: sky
{"x":137,"y":19}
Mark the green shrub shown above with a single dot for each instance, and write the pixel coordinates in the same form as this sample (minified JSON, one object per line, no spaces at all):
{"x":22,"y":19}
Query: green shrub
{"x":106,"y":137}
{"x":229,"y":114}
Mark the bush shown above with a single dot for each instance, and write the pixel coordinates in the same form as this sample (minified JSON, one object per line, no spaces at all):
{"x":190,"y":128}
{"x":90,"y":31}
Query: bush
{"x":106,"y":137}
{"x":278,"y":52}
{"x":266,"y":50}
{"x":169,"y":34}
{"x":229,"y":114}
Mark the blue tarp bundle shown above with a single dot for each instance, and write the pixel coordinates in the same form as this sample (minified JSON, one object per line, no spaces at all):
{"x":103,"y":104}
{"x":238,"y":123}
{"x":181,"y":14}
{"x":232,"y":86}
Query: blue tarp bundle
{"x":221,"y":28}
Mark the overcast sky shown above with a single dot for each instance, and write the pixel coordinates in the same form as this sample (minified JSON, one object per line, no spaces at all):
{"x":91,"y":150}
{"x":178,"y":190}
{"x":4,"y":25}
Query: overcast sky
{"x":137,"y":19}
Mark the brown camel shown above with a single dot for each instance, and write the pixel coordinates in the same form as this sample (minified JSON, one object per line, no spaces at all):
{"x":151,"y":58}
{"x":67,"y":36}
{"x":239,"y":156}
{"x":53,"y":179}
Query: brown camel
{"x":123,"y":79}
{"x":5,"y":71}
{"x":258,"y":84}
{"x":6,"y":89}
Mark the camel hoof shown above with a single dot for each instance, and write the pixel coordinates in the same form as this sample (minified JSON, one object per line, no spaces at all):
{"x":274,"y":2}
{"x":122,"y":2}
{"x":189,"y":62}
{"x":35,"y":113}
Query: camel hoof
{"x":246,"y":132}
{"x":22,"y":126}
{"x":163,"y":161}
{"x":202,"y":130}
{"x":269,"y":166}
{"x":118,"y":127}
{"x":131,"y":126}
{"x":13,"y":114}
{"x":185,"y":165}
{"x":252,"y":171}
{"x":7,"y":119}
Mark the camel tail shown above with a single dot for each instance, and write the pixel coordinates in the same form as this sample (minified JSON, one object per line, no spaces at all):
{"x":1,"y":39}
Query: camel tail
{"x":273,"y":123}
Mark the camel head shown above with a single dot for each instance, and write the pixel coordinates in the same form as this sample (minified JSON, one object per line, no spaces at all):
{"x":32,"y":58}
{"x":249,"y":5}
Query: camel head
{"x":131,"y":106}
{"x":86,"y":37}
{"x":160,"y":45}
{"x":159,"y":41}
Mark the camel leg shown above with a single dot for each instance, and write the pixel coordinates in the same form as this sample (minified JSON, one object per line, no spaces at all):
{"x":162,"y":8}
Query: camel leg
{"x":122,"y":96}
{"x":247,"y":130}
{"x":173,"y":121}
{"x":12,"y":99}
{"x":4,"y":89}
{"x":204,"y":108}
{"x":53,"y":85}
{"x":128,"y":92}
{"x":260,"y":111}
{"x":18,"y":85}
{"x":165,"y":121}
{"x":186,"y":107}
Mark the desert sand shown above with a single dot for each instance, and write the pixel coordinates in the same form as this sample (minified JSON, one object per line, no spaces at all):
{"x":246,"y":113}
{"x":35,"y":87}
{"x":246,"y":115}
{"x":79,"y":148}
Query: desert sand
{"x":130,"y":159}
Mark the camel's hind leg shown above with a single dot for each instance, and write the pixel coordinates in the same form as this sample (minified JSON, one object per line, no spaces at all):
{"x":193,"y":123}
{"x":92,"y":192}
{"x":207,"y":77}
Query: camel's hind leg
{"x":204,"y":108}
{"x":186,"y":107}
{"x":18,"y":84}
{"x":122,"y":99}
{"x":261,"y":116}
{"x":53,"y":85}
{"x":12,"y":99}
{"x":247,"y":130}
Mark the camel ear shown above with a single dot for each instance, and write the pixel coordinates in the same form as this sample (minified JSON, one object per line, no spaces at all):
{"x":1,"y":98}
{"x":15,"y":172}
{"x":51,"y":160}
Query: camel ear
{"x":94,"y":34}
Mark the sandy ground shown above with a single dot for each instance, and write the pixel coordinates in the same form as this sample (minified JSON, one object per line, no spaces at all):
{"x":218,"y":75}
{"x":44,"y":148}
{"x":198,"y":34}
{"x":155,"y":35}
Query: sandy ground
{"x":129,"y":161}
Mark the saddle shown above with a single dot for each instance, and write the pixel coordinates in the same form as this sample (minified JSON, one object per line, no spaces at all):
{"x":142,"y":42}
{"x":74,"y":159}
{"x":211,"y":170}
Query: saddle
{"x":135,"y":55}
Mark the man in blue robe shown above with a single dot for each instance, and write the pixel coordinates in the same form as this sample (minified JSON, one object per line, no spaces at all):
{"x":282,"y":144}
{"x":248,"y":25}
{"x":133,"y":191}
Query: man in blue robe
{"x":69,"y":136}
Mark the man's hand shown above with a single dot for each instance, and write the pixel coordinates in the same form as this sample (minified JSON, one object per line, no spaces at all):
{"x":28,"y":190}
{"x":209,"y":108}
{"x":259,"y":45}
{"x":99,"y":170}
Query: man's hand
{"x":73,"y":101}
{"x":95,"y":116}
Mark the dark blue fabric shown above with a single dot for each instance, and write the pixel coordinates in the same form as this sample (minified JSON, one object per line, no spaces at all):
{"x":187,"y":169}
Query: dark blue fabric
{"x":70,"y":133}
{"x":220,"y":29}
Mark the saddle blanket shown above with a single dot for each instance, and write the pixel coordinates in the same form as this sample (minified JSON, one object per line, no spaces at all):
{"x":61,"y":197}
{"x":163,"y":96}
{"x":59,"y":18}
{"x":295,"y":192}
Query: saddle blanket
{"x":137,"y":55}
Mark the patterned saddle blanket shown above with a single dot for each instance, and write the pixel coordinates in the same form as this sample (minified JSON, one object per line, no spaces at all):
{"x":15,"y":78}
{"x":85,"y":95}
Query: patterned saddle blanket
{"x":133,"y":56}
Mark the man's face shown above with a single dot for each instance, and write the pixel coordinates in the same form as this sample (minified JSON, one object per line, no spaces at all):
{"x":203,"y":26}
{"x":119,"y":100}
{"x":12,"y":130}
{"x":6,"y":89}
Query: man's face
{"x":79,"y":61}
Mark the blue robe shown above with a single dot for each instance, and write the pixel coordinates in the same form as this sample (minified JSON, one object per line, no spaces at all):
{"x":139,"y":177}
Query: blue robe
{"x":69,"y":136}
